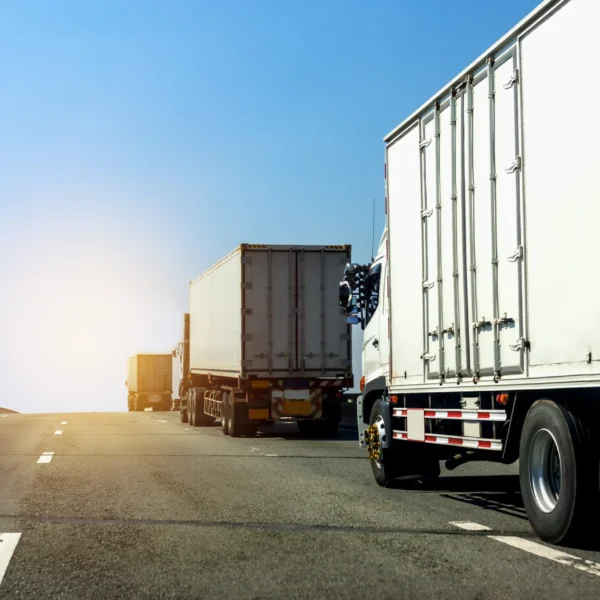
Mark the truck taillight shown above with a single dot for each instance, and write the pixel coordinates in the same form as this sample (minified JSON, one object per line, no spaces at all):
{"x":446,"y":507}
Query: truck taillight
{"x":502,"y":399}
{"x":339,"y":395}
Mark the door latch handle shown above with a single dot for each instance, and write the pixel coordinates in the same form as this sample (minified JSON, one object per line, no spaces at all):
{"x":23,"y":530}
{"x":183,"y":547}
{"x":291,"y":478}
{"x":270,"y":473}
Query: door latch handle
{"x":376,"y":343}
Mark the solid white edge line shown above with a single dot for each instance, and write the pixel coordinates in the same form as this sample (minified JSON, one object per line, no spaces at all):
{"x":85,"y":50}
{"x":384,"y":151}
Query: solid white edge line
{"x":58,"y":432}
{"x":8,"y":543}
{"x":550,"y":553}
{"x":270,"y":454}
{"x":469,"y":526}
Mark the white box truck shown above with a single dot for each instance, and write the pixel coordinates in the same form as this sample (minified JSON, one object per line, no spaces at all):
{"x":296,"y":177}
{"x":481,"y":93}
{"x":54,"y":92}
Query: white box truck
{"x":481,"y":313}
{"x":266,"y":340}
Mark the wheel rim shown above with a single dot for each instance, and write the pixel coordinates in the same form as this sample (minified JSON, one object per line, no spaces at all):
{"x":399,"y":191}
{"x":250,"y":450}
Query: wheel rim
{"x":376,"y":438}
{"x":545,"y":470}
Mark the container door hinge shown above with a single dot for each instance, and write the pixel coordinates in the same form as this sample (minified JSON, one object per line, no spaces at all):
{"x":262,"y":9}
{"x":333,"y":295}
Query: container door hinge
{"x":427,"y":285}
{"x":505,"y":320}
{"x":424,"y":143}
{"x":514,"y":79}
{"x":521,"y":344}
{"x":482,"y":324}
{"x":518,"y":255}
{"x":515,"y":166}
{"x":428,"y":357}
{"x":425,"y":214}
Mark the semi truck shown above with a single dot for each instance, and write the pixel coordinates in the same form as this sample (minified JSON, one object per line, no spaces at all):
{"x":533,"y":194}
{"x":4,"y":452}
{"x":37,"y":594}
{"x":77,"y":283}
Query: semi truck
{"x":265,"y":340}
{"x":480,"y":313}
{"x":149,"y":382}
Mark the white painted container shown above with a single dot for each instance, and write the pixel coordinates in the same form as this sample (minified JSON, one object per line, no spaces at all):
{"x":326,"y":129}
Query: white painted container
{"x":271,"y":312}
{"x":493,"y":196}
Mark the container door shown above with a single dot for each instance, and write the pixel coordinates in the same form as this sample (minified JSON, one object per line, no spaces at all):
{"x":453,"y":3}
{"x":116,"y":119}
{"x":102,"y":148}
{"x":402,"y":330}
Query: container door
{"x":269,"y":334}
{"x":495,"y":248}
{"x":323,"y":334}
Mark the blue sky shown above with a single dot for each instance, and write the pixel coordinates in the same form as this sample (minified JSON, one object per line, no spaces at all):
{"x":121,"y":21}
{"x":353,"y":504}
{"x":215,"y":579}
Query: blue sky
{"x":140,"y":141}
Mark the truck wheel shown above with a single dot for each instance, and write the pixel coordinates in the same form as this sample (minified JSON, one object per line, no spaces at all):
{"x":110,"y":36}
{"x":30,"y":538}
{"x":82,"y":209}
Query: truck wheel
{"x":251,"y":431}
{"x":224,"y":413}
{"x":236,"y":417}
{"x":184,"y":414}
{"x":196,"y":407}
{"x":330,"y":427}
{"x":558,"y":473}
{"x":309,"y":428}
{"x":384,"y":462}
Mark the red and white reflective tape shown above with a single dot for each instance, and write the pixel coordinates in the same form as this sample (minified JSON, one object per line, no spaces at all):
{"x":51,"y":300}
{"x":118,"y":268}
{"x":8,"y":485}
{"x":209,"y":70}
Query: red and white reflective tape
{"x":454,"y":440}
{"x":459,"y":415}
{"x":331,"y":383}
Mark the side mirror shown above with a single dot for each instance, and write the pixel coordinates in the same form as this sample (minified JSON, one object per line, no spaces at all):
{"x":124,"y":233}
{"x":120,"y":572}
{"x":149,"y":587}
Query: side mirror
{"x":353,"y":320}
{"x":345,"y":294}
{"x":126,"y":384}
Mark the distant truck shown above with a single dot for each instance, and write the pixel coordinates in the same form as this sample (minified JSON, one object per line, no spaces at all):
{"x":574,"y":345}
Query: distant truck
{"x":480,"y":313}
{"x":149,"y":382}
{"x":265,"y":340}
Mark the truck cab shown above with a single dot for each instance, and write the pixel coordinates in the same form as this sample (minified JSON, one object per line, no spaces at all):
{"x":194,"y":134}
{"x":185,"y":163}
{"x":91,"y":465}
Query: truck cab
{"x":364,"y":295}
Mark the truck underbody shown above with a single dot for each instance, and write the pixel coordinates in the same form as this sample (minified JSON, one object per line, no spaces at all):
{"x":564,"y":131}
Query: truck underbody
{"x":242,"y":405}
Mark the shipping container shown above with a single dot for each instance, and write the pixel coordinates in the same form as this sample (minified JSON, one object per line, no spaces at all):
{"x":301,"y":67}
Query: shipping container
{"x":150,"y":381}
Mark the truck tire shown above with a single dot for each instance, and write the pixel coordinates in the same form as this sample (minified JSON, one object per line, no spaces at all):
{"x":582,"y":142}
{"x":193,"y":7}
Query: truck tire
{"x":224,"y":413}
{"x":237,"y":418}
{"x":386,"y":462}
{"x":558,"y":470}
{"x":183,"y":415}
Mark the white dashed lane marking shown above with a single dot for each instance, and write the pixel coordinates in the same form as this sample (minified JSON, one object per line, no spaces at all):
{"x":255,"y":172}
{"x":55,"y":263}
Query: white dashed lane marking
{"x":550,"y":553}
{"x":161,"y":421}
{"x":45,"y":458}
{"x":469,"y":526}
{"x":8,"y":543}
{"x":63,"y":422}
{"x":58,"y":432}
{"x":569,"y":560}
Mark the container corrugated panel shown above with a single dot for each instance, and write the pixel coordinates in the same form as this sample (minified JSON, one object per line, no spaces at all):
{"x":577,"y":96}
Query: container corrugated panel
{"x":492,"y":211}
{"x":150,"y":373}
{"x":271,"y":311}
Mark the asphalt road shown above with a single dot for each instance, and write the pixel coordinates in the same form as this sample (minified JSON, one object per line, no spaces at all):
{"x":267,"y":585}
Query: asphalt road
{"x":140,"y":506}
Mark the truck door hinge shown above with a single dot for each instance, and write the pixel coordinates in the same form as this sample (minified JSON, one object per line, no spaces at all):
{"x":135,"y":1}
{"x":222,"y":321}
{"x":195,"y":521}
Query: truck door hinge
{"x":515,"y":166}
{"x":514,"y":79}
{"x":428,"y":357}
{"x":518,"y":255}
{"x":505,"y":320}
{"x":482,"y":323}
{"x":521,"y":344}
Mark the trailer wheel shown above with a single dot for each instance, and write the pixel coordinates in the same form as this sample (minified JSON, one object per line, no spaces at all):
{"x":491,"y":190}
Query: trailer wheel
{"x":237,"y":417}
{"x":558,"y":473}
{"x":225,"y":412}
{"x":384,"y":461}
{"x":196,"y":408}
{"x":183,"y":412}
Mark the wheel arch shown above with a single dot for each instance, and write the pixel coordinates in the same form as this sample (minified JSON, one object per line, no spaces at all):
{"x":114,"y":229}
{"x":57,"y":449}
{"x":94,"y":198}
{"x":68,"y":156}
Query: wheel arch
{"x":374,"y":390}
